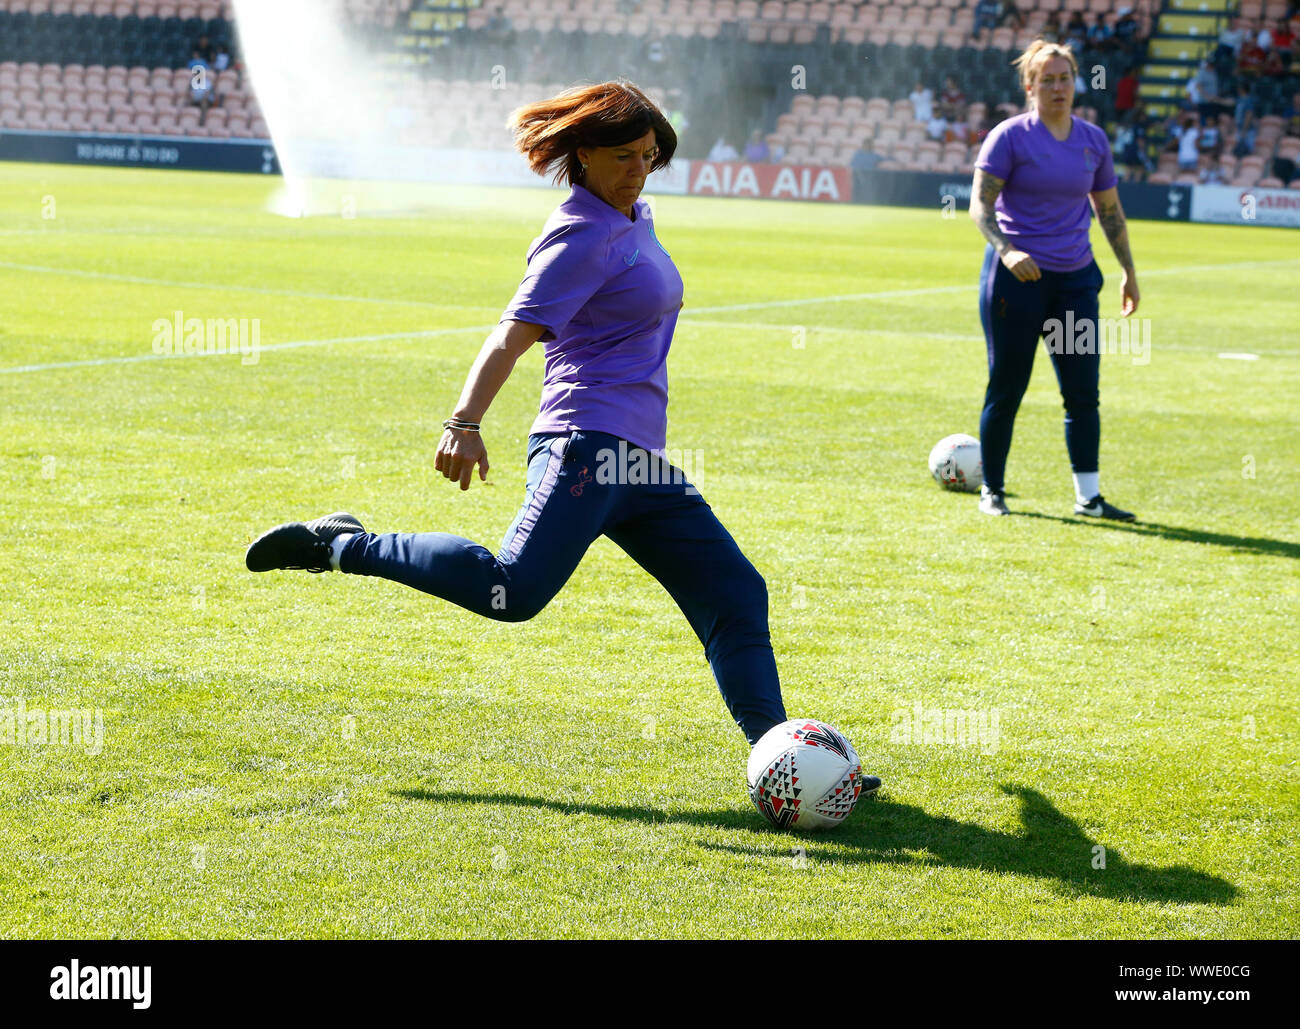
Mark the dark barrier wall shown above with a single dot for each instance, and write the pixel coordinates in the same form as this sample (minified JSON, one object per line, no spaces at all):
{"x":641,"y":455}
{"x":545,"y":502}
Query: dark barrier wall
{"x":140,"y":151}
{"x":889,"y":188}
{"x":952,"y":192}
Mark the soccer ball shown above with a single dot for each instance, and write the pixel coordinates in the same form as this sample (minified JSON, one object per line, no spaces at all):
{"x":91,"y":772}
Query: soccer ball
{"x":956,"y":464}
{"x":804,"y":774}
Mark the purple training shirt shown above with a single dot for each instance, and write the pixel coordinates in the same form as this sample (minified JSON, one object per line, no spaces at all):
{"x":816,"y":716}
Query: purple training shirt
{"x":607,"y":295}
{"x":1043,"y":208}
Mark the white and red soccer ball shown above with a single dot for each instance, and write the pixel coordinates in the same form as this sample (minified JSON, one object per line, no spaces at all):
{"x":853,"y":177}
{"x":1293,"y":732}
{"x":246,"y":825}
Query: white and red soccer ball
{"x":804,"y":774}
{"x":956,"y":463}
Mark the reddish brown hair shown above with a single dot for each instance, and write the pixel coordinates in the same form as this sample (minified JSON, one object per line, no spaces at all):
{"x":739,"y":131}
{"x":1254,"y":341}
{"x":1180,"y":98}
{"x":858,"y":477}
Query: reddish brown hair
{"x":549,"y":132}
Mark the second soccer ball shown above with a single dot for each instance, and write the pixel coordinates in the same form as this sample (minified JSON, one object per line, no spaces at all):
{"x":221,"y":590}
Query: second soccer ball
{"x":956,"y":464}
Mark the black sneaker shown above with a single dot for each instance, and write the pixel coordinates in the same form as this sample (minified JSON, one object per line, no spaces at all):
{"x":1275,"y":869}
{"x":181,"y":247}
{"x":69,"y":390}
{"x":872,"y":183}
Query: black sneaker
{"x":299,"y":545}
{"x":1098,"y":508}
{"x":870,"y":784}
{"x":992,"y":503}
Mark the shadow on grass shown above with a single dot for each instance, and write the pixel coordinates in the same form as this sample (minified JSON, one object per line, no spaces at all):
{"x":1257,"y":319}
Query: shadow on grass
{"x":883,"y":832}
{"x":1255,"y":544}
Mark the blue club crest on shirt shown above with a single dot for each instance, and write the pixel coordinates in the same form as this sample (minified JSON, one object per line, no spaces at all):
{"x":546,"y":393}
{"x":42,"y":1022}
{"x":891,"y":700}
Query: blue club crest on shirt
{"x":1089,"y":159}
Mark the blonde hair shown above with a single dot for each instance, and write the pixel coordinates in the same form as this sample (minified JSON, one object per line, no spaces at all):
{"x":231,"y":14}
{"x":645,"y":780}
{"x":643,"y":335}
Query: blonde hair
{"x":1037,"y":54}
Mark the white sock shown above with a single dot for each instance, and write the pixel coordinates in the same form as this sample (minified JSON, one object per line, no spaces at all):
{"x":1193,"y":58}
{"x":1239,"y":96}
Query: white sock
{"x":336,"y":548}
{"x":1086,"y":486}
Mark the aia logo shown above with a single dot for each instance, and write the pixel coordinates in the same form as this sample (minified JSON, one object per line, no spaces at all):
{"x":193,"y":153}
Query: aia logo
{"x":583,"y":478}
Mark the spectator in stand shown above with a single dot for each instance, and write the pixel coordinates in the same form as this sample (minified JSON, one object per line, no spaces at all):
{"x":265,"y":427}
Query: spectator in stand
{"x":1283,"y":43}
{"x":222,"y":61}
{"x":1210,"y":144}
{"x":952,"y":101}
{"x":202,"y":84}
{"x":1211,"y":175}
{"x":1126,"y":91}
{"x":1011,"y":15}
{"x":204,"y":49}
{"x":937,"y":127}
{"x":1080,"y":88}
{"x":1230,"y":40}
{"x":1205,"y":84}
{"x":1076,"y":33}
{"x":677,"y":117}
{"x":1189,"y":135}
{"x":922,"y":102}
{"x":986,"y":16}
{"x":1101,"y":37}
{"x":498,"y":27}
{"x":756,"y":151}
{"x":1126,"y":29}
{"x":1251,"y":58}
{"x":1263,"y":36}
{"x":1244,"y":118}
{"x":1131,"y":145}
{"x":723,"y":151}
{"x":1273,"y":63}
{"x":657,"y":49}
{"x":1140,"y":38}
{"x":1052,"y":31}
{"x":865,"y":157}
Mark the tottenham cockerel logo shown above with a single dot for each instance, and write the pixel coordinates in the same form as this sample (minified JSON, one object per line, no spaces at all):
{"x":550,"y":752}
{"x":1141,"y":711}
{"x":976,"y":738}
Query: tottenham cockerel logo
{"x":822,"y":736}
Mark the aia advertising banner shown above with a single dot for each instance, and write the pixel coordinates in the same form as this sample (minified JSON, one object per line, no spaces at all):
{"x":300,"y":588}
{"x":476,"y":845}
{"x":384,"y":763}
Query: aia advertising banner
{"x":771,"y":181}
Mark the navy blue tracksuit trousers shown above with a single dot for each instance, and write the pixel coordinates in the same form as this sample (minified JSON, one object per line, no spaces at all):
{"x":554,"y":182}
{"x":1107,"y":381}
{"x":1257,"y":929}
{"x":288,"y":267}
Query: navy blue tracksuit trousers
{"x":664,"y":525}
{"x":1013,"y":313}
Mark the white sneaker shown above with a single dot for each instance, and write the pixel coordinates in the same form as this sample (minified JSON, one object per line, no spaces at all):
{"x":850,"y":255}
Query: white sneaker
{"x":992,"y":503}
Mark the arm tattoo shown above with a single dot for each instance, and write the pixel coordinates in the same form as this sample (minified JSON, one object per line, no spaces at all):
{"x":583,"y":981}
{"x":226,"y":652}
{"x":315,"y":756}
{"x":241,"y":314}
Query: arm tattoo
{"x":983,"y":211}
{"x":1111,"y":217}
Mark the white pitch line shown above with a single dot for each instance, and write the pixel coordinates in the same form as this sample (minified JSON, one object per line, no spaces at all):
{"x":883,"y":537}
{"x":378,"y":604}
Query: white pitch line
{"x":785,"y":327}
{"x":931,"y":290}
{"x":688,"y":314}
{"x":221,"y":287}
{"x":837,"y":298}
{"x":235,"y":353}
{"x":713,"y":309}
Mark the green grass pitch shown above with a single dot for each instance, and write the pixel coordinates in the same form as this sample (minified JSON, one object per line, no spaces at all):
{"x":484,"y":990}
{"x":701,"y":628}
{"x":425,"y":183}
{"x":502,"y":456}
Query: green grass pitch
{"x":296,"y":755}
